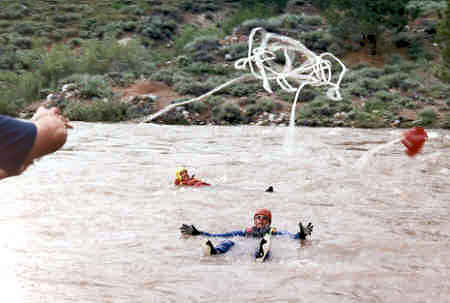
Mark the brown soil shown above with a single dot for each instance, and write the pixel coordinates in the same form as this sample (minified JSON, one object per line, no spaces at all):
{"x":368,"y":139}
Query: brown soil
{"x":363,"y":56}
{"x":165,"y":93}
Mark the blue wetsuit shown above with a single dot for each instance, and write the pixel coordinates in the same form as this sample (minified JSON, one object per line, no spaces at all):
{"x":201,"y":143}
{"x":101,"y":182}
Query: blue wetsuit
{"x":16,"y":141}
{"x":252,"y":232}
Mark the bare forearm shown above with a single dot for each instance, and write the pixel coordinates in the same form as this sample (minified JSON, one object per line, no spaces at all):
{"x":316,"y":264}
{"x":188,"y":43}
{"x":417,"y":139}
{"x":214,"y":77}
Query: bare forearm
{"x":51,"y":136}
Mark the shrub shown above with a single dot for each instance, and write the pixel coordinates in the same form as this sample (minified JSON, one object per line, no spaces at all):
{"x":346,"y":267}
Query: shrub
{"x":98,"y":110}
{"x":268,"y":105}
{"x":163,"y":75}
{"x":108,"y":55}
{"x":237,"y":51}
{"x":316,"y":40}
{"x":440,"y":91}
{"x":446,"y":121}
{"x":23,"y":43}
{"x":248,"y":25}
{"x":121,"y":79}
{"x":402,"y":101}
{"x":291,"y":21}
{"x":336,"y":48}
{"x":427,"y":116}
{"x":308,"y":93}
{"x":406,"y":67}
{"x":407,"y":84}
{"x":5,"y":107}
{"x":75,"y":42}
{"x":14,"y":11}
{"x":394,"y":80}
{"x":56,"y":64}
{"x":402,"y":39}
{"x":229,"y":113}
{"x":199,"y":6}
{"x":358,"y":90}
{"x":197,"y":106}
{"x":344,"y":105}
{"x":213,"y":100}
{"x":257,"y":11}
{"x":66,"y":18}
{"x":314,"y":20}
{"x":183,"y":61}
{"x":374,"y":106}
{"x":199,"y":68}
{"x":129,"y":26}
{"x":305,"y":112}
{"x":157,"y":27}
{"x":384,"y":96}
{"x":70,"y":8}
{"x":18,"y":90}
{"x":376,"y":85}
{"x":395,"y":59}
{"x":370,"y":72}
{"x":94,"y":86}
{"x":242,"y":89}
{"x":132,"y":10}
{"x":25,"y":28}
{"x":426,"y":7}
{"x":367,"y":120}
{"x":350,"y":77}
{"x":202,"y":43}
{"x":196,"y":88}
{"x":253,"y":109}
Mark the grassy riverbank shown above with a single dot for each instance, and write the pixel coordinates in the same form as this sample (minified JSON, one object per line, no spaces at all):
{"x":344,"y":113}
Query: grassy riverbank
{"x":122,"y":60}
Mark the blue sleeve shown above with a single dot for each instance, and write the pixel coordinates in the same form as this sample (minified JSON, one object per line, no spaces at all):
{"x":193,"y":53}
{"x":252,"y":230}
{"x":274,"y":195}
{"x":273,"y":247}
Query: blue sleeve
{"x":16,"y":141}
{"x":236,"y":233}
{"x":286,"y":233}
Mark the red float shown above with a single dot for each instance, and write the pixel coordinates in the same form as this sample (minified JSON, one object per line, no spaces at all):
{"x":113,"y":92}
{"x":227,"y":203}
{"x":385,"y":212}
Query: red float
{"x":414,"y":140}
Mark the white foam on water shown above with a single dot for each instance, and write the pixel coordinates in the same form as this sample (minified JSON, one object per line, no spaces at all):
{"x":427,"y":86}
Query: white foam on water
{"x":361,"y":163}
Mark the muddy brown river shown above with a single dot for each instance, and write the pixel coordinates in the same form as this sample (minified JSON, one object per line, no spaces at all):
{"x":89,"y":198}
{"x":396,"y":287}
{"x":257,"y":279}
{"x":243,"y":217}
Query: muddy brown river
{"x":98,"y":220}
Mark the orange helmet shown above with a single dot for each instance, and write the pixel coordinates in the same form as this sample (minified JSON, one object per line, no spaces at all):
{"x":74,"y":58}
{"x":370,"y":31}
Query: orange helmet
{"x":264,"y":212}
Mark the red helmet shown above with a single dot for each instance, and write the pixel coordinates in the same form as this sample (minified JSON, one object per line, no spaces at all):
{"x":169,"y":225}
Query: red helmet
{"x":264,"y":212}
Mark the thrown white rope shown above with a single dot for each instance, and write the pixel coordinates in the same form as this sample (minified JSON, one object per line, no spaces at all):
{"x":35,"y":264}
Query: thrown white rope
{"x":315,"y":70}
{"x":171,"y":106}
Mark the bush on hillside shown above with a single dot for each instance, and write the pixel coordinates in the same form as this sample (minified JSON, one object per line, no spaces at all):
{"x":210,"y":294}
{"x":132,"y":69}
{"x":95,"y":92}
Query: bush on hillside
{"x":97,"y":110}
{"x":427,"y":116}
{"x":229,"y":113}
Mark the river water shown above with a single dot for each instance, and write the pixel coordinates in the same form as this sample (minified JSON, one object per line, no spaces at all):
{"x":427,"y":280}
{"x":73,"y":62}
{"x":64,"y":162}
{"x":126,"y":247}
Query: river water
{"x":98,"y":220}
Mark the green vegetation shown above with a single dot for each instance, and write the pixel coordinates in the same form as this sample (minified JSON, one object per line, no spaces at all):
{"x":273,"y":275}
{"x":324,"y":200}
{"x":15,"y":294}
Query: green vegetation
{"x":444,"y":40}
{"x":369,"y":18}
{"x":100,"y":46}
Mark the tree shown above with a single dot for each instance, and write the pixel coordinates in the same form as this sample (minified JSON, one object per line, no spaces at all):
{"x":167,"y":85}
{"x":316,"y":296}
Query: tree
{"x":444,"y":39}
{"x":370,"y":18}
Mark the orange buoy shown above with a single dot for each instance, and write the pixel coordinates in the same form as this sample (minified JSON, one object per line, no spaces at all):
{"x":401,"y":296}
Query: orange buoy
{"x":414,"y":140}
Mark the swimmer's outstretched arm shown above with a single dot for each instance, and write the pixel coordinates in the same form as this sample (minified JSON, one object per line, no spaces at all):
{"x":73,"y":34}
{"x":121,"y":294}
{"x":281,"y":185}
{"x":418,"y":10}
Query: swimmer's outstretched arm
{"x":302,"y":234}
{"x":193,"y":231}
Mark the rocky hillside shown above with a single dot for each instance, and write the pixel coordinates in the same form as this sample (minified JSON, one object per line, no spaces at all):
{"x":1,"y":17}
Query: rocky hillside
{"x":126,"y":59}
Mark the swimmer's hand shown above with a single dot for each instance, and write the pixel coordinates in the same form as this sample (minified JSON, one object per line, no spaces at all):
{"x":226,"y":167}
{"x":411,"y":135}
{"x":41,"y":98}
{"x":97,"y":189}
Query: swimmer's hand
{"x":305,"y":231}
{"x":189,"y":230}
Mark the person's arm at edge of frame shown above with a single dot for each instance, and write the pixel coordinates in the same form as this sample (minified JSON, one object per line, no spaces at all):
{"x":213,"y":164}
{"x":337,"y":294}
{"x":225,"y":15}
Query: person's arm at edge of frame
{"x":51,"y":136}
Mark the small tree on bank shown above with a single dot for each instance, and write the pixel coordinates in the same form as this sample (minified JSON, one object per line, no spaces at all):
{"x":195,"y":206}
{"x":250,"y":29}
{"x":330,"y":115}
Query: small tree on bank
{"x":370,"y":18}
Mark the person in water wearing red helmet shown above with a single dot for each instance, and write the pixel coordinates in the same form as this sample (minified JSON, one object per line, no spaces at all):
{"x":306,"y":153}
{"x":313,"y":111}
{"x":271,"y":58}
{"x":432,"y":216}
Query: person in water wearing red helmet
{"x":183,"y":179}
{"x":262,"y":226}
